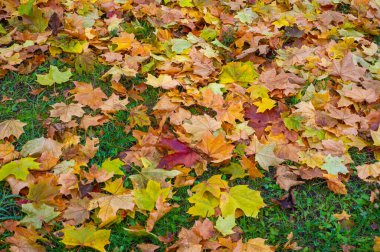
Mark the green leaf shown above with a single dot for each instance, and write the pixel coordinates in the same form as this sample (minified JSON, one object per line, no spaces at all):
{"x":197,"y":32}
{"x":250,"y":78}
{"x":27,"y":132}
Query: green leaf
{"x":54,"y":76}
{"x":235,"y":170}
{"x":293,"y":122}
{"x":26,"y":8}
{"x":180,"y":45}
{"x":146,"y":198}
{"x":246,"y":16}
{"x":204,"y":205}
{"x":113,"y":166}
{"x":39,"y":22}
{"x":19,"y":168}
{"x":86,"y":236}
{"x":240,"y":72}
{"x":241,"y":197}
{"x":186,"y":3}
{"x":334,"y":165}
{"x":225,"y":225}
{"x":208,"y":34}
{"x":38,"y":213}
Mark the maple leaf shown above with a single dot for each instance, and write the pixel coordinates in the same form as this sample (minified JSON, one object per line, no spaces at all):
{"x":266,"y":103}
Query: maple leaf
{"x":146,"y":198}
{"x":376,"y":137}
{"x":25,"y":240}
{"x":84,"y":63}
{"x":204,"y":205}
{"x":138,"y":116}
{"x":257,"y":244}
{"x":114,"y":104}
{"x":124,"y":41}
{"x":342,"y":216}
{"x":182,"y":154}
{"x":86,"y":236}
{"x":213,"y":185}
{"x":367,"y":171}
{"x":216,"y":147}
{"x":66,"y":112}
{"x":334,"y":165}
{"x":164,"y":81}
{"x":117,"y":72}
{"x":234,"y":169}
{"x":110,"y":204}
{"x":8,"y":152}
{"x":113,"y":166}
{"x":44,"y":190}
{"x":347,"y":70}
{"x":197,"y":126}
{"x":36,"y":214}
{"x":161,"y":209}
{"x":77,"y":212}
{"x":180,"y":45}
{"x":334,"y":184}
{"x":11,"y":128}
{"x":151,"y":172}
{"x":265,"y":155}
{"x":286,"y":179}
{"x":241,"y":72}
{"x":241,"y":197}
{"x":259,"y":121}
{"x":92,"y":121}
{"x":85,"y":94}
{"x":225,"y":225}
{"x":264,"y":104}
{"x":19,"y":168}
{"x":40,"y":145}
{"x":54,"y":76}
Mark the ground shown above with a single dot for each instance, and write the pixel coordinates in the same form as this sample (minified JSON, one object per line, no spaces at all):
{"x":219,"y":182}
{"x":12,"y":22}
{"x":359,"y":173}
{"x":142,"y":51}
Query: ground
{"x":312,"y":217}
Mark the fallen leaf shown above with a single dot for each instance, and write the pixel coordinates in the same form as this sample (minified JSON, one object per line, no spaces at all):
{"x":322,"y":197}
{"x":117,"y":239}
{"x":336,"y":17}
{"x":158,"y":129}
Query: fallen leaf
{"x":11,"y":128}
{"x":86,"y":236}
{"x":216,"y":147}
{"x":54,"y":76}
{"x":241,"y":197}
{"x":66,"y":112}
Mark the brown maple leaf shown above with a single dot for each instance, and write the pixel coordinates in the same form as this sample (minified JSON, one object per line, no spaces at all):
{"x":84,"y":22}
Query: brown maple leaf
{"x":66,"y":112}
{"x":216,"y":147}
{"x":85,"y":94}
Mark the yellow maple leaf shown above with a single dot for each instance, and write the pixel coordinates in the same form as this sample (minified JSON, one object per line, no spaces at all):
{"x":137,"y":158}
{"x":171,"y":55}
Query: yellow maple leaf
{"x":265,"y":104}
{"x":86,"y":236}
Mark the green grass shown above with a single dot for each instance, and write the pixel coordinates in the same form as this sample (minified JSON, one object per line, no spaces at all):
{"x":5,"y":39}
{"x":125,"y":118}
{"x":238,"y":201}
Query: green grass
{"x":312,"y":221}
